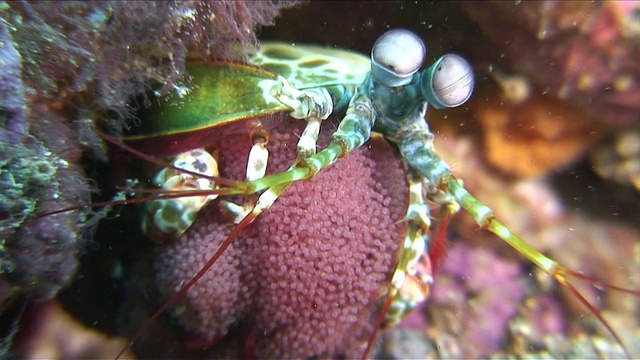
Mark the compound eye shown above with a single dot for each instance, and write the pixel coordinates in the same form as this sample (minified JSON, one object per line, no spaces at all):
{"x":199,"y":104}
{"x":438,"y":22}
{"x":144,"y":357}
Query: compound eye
{"x":448,"y":82}
{"x":396,"y":56}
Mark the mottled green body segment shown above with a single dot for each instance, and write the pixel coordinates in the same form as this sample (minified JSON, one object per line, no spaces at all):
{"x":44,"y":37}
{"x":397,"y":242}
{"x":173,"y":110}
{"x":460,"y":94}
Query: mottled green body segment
{"x":227,"y":97}
{"x":306,"y":66}
{"x":222,"y":94}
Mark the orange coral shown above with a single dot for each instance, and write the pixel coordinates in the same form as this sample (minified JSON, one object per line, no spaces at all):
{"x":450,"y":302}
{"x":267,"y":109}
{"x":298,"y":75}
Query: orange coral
{"x":530,"y":134}
{"x":52,"y":333}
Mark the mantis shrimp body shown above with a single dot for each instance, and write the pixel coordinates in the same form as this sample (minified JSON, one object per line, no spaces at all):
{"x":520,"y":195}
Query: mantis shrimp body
{"x":387,"y":94}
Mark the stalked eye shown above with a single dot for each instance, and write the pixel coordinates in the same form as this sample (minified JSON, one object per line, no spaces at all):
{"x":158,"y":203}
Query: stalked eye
{"x":396,"y":56}
{"x":448,"y":82}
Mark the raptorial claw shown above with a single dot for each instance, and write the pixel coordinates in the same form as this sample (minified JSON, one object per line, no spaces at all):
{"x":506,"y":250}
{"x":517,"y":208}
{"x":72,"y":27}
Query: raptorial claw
{"x":166,"y":219}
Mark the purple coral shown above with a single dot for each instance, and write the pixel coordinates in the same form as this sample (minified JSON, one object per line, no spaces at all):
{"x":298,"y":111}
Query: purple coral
{"x":14,"y":125}
{"x":34,"y":252}
{"x":484,"y":291}
{"x":308,"y":273}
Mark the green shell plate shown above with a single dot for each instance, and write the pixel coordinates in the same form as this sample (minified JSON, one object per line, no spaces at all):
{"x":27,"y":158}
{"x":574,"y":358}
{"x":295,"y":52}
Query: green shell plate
{"x":229,"y":97}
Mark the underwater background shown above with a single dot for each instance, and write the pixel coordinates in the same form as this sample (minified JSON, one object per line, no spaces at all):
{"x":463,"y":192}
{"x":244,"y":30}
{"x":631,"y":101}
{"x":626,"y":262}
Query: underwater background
{"x":550,"y":140}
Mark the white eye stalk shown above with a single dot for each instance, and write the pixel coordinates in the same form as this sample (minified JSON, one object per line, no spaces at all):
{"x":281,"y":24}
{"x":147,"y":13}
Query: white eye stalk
{"x":396,"y":56}
{"x":448,"y":82}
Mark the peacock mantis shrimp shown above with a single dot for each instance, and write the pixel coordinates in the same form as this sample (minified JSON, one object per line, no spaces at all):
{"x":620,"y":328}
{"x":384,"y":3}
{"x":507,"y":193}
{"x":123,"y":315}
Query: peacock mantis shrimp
{"x":386,"y":94}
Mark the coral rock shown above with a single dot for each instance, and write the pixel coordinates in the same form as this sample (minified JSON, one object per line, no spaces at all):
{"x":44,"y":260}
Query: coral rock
{"x":581,"y":51}
{"x":530,"y":134}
